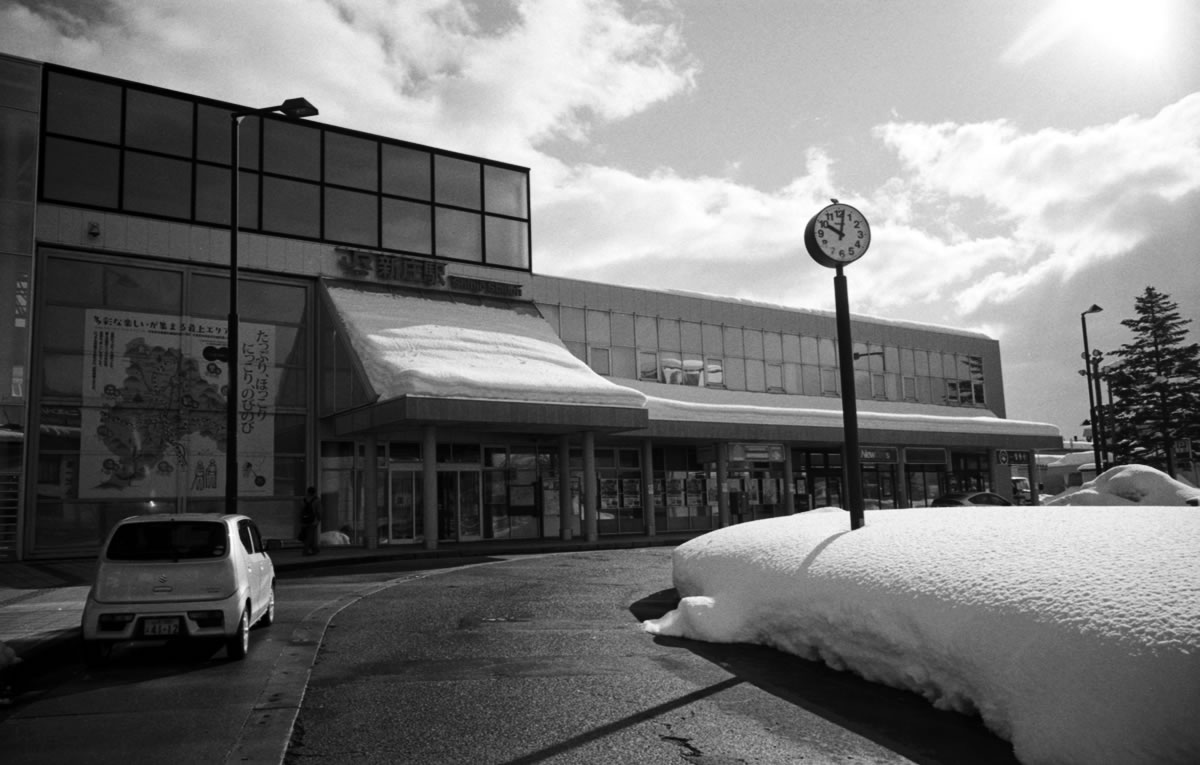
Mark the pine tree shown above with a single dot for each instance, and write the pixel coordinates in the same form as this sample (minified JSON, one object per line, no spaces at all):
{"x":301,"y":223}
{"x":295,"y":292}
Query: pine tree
{"x":1155,"y":386}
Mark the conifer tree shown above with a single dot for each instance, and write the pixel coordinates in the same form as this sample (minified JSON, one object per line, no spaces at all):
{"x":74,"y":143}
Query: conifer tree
{"x":1154,"y":386}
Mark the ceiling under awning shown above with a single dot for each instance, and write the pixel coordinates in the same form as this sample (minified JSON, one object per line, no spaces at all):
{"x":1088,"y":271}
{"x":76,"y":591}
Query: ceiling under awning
{"x":467,"y":360}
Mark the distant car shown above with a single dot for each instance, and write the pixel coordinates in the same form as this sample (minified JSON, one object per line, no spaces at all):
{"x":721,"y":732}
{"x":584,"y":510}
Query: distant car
{"x":967,"y":499}
{"x":180,"y":576}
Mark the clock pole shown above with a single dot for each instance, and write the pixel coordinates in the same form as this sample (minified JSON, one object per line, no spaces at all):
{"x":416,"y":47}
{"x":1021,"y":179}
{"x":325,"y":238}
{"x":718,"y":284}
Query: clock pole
{"x":851,"y":471}
{"x":835,"y":237}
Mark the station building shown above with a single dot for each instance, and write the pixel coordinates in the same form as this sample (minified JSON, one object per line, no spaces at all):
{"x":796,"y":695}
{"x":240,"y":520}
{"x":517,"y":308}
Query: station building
{"x":398,"y":350}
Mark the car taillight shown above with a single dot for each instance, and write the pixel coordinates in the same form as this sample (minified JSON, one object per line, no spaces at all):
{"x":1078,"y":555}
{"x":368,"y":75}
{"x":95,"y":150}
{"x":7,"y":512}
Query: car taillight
{"x":114,"y":621}
{"x":207,"y":618}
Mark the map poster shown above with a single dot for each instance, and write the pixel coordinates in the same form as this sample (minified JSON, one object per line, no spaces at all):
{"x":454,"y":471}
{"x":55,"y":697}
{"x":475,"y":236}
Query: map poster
{"x":153,"y":418}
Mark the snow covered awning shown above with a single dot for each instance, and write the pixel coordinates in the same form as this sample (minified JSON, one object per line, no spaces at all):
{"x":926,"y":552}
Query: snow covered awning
{"x":468,"y":360}
{"x":678,"y":411}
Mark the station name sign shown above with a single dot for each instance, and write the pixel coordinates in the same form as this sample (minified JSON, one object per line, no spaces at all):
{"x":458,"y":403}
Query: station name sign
{"x":419,"y":272}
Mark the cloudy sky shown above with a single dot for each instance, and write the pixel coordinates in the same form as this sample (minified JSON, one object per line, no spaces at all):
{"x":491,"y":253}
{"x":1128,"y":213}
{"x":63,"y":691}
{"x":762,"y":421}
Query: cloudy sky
{"x":1019,"y":160}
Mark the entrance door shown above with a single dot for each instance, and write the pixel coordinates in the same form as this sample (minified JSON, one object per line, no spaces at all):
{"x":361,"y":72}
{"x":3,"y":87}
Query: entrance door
{"x":459,"y":511}
{"x":404,"y":510}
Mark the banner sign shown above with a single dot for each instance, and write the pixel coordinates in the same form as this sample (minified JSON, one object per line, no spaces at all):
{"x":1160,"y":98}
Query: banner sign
{"x":153,"y":420}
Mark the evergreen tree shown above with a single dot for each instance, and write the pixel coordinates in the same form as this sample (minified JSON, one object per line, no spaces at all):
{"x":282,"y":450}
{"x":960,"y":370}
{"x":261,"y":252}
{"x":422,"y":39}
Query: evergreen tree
{"x":1155,"y":386}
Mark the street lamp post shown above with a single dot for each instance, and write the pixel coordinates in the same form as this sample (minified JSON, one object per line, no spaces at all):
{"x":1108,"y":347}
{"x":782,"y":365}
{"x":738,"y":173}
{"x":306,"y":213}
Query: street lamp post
{"x":295,"y":108}
{"x":1087,"y":368}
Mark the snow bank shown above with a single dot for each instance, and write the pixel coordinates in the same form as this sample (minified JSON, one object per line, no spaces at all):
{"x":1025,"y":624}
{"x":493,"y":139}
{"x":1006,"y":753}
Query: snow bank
{"x":1073,"y":631}
{"x":1129,"y":485}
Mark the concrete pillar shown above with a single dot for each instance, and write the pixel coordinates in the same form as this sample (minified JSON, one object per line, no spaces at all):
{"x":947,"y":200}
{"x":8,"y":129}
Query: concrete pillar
{"x":429,"y":507}
{"x":722,"y":486}
{"x":564,"y":487}
{"x":648,"y":487}
{"x":370,"y":483}
{"x":590,"y":517}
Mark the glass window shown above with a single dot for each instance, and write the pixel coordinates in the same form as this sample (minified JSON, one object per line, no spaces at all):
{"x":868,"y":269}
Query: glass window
{"x":507,"y":242}
{"x":772,"y":346}
{"x":599,"y":331}
{"x":248,"y":144}
{"x":622,"y":329}
{"x":20,"y":85}
{"x":157,"y":185}
{"x":690,"y":337}
{"x":714,"y":372}
{"x":791,"y":348}
{"x":291,"y":207}
{"x":143,"y":289}
{"x":81,"y":173}
{"x":735,"y":373}
{"x":891,"y":358}
{"x":775,"y":377}
{"x":504,"y":192}
{"x":212,"y":133}
{"x":599,"y":361}
{"x":827,"y":352}
{"x":624,"y":363}
{"x":810,"y":380}
{"x":407,"y":226}
{"x":668,"y":334}
{"x":733,"y":342}
{"x":75,"y":282}
{"x":648,"y":366}
{"x":753,"y":340}
{"x":212,"y":194}
{"x":922,"y":359}
{"x":83,"y":107}
{"x":571,"y":324}
{"x":271,"y":301}
{"x":351,"y":216}
{"x":458,"y":235}
{"x":351,"y":161}
{"x":908,"y":363}
{"x":756,"y":377}
{"x":292,"y":148}
{"x":158,"y":123}
{"x":406,"y":172}
{"x":647,"y":331}
{"x":456,"y":182}
{"x":808,"y":351}
{"x":711,"y":336}
{"x":829,"y":380}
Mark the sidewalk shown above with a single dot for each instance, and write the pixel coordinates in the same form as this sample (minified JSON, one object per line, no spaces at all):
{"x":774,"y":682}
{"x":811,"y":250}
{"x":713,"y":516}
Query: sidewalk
{"x":41,"y":602}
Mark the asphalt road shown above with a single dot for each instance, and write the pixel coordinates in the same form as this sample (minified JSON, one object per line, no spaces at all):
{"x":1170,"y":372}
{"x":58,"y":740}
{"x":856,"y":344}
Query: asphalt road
{"x":523,"y":659}
{"x":542,"y":660}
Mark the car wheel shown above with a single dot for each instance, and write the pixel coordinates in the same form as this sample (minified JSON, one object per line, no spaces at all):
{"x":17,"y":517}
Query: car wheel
{"x":96,"y":652}
{"x":268,"y":617}
{"x":238,"y":644}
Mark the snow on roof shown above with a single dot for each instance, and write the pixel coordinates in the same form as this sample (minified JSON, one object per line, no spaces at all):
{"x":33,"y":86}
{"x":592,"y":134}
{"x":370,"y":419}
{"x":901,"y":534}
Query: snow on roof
{"x":452,"y":349}
{"x":1074,"y":632}
{"x":694,"y":404}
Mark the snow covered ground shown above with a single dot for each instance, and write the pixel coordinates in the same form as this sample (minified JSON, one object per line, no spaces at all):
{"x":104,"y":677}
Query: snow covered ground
{"x":1073,"y":631}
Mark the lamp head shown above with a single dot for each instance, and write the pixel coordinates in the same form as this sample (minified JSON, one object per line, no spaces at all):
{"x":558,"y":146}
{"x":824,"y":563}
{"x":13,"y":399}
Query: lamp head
{"x":1094,"y":309}
{"x":298,"y":108}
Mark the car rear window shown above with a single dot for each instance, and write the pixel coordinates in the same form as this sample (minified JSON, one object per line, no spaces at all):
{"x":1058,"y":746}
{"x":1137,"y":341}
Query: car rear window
{"x":169,"y":540}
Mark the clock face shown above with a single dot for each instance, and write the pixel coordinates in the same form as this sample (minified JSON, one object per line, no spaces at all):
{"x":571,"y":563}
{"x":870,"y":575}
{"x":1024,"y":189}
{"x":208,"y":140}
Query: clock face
{"x":837,"y":235}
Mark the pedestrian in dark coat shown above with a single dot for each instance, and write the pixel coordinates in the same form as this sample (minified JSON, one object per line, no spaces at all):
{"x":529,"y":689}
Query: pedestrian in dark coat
{"x":310,"y":522}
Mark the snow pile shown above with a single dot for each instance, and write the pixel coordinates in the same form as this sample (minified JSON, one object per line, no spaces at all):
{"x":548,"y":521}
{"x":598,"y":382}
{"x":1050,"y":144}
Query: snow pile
{"x":1129,"y":485}
{"x":416,"y":346}
{"x":1073,"y":632}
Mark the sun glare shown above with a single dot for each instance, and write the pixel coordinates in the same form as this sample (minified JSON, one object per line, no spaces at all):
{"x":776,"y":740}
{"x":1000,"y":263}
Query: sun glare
{"x":1131,"y":31}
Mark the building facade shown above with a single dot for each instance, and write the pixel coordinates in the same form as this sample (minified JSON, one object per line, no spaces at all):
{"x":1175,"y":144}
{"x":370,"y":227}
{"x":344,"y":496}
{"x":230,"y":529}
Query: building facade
{"x":397,"y":350}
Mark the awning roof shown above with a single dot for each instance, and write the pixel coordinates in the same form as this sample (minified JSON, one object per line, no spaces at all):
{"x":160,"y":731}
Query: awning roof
{"x":464,"y":359}
{"x":488,"y":364}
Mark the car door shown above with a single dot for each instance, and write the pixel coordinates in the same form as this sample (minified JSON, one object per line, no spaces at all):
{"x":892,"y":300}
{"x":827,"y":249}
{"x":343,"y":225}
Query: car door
{"x":252,"y":556}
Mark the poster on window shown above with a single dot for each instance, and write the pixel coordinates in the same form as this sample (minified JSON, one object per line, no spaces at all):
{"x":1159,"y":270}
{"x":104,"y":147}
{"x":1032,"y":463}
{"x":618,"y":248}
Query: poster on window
{"x":153,"y":418}
{"x":631,"y":492}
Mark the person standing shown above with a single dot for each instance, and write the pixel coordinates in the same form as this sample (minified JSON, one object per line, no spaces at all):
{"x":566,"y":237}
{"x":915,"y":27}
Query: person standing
{"x":310,"y":522}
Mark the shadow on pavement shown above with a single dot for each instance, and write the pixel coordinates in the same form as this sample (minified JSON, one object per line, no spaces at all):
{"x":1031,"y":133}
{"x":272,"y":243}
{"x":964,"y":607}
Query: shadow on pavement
{"x":898,"y":720}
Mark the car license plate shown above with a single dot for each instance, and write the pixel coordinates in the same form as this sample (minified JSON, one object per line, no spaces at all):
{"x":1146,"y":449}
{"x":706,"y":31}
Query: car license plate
{"x":160,"y":627}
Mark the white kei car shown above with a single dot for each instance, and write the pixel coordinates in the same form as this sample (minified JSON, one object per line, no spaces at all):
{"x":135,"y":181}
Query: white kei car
{"x":179,"y":576}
